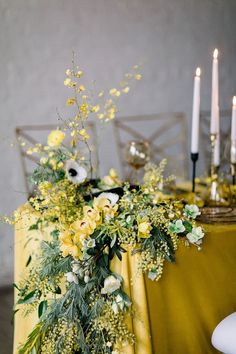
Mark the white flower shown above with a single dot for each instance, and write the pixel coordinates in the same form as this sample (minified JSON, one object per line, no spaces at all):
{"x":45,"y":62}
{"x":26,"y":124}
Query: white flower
{"x":71,"y":277}
{"x":115,"y":307}
{"x":86,"y":279}
{"x":112,"y":197}
{"x":111,"y":284}
{"x":176,"y":227}
{"x":152,"y":275}
{"x":90,"y":243}
{"x":74,"y":172}
{"x":196,"y":235}
{"x":76,"y":268}
{"x":191,"y":211}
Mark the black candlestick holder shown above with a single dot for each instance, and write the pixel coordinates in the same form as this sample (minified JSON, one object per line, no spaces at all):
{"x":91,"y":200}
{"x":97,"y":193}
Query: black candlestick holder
{"x":194,"y":158}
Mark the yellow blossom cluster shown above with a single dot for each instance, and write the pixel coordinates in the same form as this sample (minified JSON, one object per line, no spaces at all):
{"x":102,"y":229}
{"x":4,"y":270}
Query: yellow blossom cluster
{"x":34,"y":150}
{"x":144,"y":227}
{"x":66,"y":344}
{"x":116,"y":327}
{"x":57,"y":201}
{"x":111,"y":179}
{"x":71,"y":238}
{"x":148,"y":263}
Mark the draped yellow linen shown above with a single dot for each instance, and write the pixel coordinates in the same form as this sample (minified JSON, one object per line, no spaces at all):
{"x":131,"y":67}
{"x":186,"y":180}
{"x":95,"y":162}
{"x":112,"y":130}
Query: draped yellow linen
{"x":180,"y":311}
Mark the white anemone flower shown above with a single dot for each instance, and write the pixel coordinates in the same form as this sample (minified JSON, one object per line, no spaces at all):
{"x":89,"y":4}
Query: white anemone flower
{"x":112,"y":197}
{"x":75,"y":173}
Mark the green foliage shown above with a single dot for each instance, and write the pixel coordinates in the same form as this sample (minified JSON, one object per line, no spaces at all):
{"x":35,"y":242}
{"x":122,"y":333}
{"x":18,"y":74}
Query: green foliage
{"x":34,"y":341}
{"x":46,"y":173}
{"x":42,"y":307}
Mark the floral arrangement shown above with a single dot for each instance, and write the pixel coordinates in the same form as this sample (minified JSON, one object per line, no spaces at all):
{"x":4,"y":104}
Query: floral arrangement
{"x":81,"y":302}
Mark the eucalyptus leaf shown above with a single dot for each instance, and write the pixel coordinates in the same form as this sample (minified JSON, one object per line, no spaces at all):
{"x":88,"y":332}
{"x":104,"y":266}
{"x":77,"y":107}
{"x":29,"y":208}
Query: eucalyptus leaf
{"x":42,"y":308}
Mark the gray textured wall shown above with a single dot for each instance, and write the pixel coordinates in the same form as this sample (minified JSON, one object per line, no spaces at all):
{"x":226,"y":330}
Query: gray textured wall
{"x":37,"y":37}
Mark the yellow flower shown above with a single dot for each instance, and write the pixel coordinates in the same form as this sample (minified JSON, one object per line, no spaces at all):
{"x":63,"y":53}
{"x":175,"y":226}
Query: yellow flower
{"x":83,"y":228}
{"x":91,"y":214}
{"x":95,"y":108}
{"x":126,"y":89}
{"x":114,"y":92}
{"x":79,"y":73}
{"x":70,"y":101}
{"x":112,"y":178}
{"x":108,"y":180}
{"x":84,"y":109}
{"x":70,"y":245}
{"x":104,"y":205}
{"x":100,"y":116}
{"x":43,"y":160}
{"x":53,"y":163}
{"x":81,"y":88}
{"x":60,"y":164}
{"x":67,"y":82}
{"x":144,"y":227}
{"x":113,"y":173}
{"x":55,"y":138}
{"x":44,"y":187}
{"x":84,"y":134}
{"x":101,"y":94}
{"x":138,"y":76}
{"x":29,"y":151}
{"x":68,"y":72}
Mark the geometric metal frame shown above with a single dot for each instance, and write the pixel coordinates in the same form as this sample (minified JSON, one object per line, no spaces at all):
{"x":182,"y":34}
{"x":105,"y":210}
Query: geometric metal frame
{"x":169,"y":120}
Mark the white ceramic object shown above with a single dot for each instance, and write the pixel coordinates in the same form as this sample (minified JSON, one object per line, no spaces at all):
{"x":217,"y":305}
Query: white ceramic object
{"x":224,"y":335}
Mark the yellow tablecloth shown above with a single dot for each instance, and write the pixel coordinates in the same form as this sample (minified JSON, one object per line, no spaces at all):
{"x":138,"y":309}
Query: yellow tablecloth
{"x":177,"y":314}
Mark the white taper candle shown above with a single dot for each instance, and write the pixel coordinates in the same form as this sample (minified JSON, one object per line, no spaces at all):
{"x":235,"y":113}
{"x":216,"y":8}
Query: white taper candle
{"x":215,"y":95}
{"x":196,"y":112}
{"x":233,"y":132}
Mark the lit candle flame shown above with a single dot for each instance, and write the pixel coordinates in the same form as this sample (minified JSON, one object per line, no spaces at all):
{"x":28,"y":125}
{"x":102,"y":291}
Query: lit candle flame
{"x":234,"y":101}
{"x":215,"y":53}
{"x":198,"y":72}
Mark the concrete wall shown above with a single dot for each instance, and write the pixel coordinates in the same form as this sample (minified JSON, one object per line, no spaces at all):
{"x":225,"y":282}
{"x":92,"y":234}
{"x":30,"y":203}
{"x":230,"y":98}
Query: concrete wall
{"x":171,"y":37}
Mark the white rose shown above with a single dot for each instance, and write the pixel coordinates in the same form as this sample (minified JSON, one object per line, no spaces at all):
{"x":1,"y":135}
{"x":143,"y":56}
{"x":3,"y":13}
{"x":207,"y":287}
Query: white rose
{"x":71,"y":278}
{"x":196,"y":235}
{"x":111,"y":284}
{"x":76,"y":268}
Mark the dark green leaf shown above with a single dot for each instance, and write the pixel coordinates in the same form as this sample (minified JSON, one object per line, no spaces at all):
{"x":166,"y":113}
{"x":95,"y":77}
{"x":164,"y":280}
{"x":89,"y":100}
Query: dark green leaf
{"x":16,"y":286}
{"x":187,"y":225}
{"x":42,"y":307}
{"x":28,"y":261}
{"x":55,"y":233}
{"x":57,"y":290}
{"x":113,"y":241}
{"x":34,"y":227}
{"x":28,"y":298}
{"x":118,"y":253}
